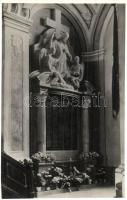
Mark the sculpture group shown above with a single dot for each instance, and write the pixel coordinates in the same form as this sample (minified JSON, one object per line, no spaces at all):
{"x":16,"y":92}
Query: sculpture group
{"x":57,"y":66}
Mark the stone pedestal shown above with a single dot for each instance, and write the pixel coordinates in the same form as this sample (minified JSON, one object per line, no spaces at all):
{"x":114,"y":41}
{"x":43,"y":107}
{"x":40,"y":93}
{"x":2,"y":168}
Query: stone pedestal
{"x":120,"y":181}
{"x":51,"y":118}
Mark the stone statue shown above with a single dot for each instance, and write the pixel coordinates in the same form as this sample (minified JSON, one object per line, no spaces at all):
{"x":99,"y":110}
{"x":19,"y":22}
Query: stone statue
{"x":55,"y":61}
{"x":55,"y":55}
{"x":53,"y":79}
{"x":61,"y":44}
{"x":76,"y":73}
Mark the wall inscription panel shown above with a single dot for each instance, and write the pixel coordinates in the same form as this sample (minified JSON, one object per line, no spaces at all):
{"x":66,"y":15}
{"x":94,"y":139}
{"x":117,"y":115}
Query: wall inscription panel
{"x":16,"y":93}
{"x":63,"y":124}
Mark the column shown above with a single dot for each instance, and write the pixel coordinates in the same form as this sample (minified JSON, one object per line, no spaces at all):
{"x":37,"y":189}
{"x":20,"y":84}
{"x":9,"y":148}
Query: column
{"x":41,"y":123}
{"x":94,"y":72}
{"x":85,"y":123}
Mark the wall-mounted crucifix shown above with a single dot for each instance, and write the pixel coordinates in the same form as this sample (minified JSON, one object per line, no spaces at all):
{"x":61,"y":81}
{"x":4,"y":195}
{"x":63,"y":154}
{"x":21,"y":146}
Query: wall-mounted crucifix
{"x":55,"y":21}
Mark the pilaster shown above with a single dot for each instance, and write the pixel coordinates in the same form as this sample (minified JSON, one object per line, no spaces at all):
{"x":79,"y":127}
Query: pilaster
{"x":41,"y":122}
{"x":16,"y":24}
{"x":85,"y":123}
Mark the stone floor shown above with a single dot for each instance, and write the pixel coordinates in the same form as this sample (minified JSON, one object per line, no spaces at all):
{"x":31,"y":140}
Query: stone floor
{"x":98,"y":192}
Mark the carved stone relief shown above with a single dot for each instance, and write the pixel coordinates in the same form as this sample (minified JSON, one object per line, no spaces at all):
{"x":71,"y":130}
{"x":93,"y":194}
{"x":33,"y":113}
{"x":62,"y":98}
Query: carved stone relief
{"x":16,"y":93}
{"x":57,"y":66}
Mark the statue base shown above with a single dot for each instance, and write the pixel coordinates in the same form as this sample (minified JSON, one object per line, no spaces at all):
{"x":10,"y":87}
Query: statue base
{"x":120,"y":181}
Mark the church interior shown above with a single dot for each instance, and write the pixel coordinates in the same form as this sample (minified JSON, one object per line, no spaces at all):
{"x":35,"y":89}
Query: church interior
{"x":63,"y":100}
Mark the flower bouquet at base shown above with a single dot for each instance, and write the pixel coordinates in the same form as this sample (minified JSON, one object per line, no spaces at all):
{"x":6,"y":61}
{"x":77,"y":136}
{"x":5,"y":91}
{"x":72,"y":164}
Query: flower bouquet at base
{"x":90,"y":158}
{"x":43,"y":157}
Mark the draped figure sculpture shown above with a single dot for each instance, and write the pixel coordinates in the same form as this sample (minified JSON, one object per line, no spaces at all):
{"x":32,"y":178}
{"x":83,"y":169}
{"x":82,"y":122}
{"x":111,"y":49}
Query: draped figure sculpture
{"x":56,"y":67}
{"x":76,"y":73}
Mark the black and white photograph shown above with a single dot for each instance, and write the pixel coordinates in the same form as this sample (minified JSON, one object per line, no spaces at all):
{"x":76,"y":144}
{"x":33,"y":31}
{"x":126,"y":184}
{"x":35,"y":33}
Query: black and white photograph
{"x":63,"y":100}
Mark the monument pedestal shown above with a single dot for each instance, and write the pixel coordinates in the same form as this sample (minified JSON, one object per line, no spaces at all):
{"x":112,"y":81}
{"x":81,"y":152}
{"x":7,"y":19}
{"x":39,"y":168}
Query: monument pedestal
{"x":120,"y":181}
{"x":62,"y":123}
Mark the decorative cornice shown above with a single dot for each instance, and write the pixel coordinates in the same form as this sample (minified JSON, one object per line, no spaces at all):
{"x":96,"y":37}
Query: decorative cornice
{"x":93,"y":55}
{"x":17,"y":9}
{"x":14,"y":22}
{"x":16,"y":16}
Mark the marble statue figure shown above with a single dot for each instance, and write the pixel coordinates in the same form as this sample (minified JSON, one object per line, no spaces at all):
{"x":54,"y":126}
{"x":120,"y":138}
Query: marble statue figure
{"x":56,"y":66}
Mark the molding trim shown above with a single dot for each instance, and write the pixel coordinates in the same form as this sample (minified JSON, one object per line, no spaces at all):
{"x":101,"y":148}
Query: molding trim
{"x":16,"y":16}
{"x":16,"y":22}
{"x":93,"y":55}
{"x":17,"y":9}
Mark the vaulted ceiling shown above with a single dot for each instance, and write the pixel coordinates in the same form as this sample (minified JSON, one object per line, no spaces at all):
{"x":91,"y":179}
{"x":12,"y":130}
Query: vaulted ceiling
{"x":89,"y":19}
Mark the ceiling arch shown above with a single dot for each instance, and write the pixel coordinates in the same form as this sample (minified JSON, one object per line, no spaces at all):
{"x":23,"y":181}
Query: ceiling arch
{"x":100,"y":28}
{"x":104,"y":28}
{"x":88,"y":19}
{"x":68,"y":12}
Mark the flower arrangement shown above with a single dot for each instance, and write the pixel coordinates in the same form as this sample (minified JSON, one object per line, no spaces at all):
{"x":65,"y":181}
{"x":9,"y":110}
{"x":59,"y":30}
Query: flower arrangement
{"x":51,"y":157}
{"x":56,"y":181}
{"x":26,"y":161}
{"x":40,"y":181}
{"x":78,"y":178}
{"x":90,"y":157}
{"x":41,"y":157}
{"x":55,"y":178}
{"x":66,"y":183}
{"x":59,"y":178}
{"x":100,"y":176}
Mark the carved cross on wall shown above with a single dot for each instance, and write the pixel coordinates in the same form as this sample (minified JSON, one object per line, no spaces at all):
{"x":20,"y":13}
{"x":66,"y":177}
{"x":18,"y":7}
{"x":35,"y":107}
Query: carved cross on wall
{"x":55,"y":21}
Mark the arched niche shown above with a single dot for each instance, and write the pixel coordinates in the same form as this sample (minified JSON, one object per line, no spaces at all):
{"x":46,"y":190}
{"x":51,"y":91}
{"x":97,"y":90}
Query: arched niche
{"x":71,"y":116}
{"x":77,"y":38}
{"x":69,"y":14}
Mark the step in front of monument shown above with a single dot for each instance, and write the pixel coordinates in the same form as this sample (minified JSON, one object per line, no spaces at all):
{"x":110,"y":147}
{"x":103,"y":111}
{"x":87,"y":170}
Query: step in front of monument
{"x":58,"y":191}
{"x":50,"y":192}
{"x":85,"y":187}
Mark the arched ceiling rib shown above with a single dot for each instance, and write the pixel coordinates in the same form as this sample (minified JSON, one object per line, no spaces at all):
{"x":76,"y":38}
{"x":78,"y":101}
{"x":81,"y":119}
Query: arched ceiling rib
{"x":87,"y":18}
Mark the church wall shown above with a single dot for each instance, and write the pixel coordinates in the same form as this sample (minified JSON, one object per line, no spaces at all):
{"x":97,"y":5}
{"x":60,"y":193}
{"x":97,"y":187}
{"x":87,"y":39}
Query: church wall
{"x":121,"y":14}
{"x":108,"y":130}
{"x":104,"y":129}
{"x":111,"y":125}
{"x":114,"y":127}
{"x":15,"y":86}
